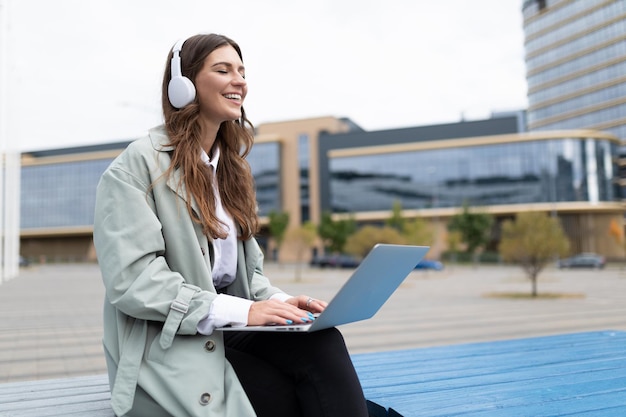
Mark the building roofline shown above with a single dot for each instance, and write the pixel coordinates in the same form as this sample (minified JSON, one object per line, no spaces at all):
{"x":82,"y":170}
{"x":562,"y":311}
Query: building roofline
{"x":78,"y":149}
{"x":474,"y":141}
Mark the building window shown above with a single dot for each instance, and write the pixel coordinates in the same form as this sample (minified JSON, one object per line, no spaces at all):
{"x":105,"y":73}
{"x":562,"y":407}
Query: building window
{"x":561,"y":170}
{"x":60,"y":195}
{"x":541,"y":4}
{"x":303,"y":162}
{"x":264,"y":160}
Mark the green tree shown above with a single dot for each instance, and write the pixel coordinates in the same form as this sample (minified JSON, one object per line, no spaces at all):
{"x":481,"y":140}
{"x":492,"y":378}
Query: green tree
{"x":334,"y":233}
{"x":361,"y":242}
{"x":418,"y":232}
{"x":415,"y":231}
{"x":533,"y":240}
{"x":396,"y":220}
{"x":454,"y":240}
{"x":278,"y":223}
{"x":301,"y":240}
{"x":474,"y":228}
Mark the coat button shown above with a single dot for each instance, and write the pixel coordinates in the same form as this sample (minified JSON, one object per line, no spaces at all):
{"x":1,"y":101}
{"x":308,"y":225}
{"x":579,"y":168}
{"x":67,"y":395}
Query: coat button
{"x":203,"y":251}
{"x":205,"y":398}
{"x":209,"y":346}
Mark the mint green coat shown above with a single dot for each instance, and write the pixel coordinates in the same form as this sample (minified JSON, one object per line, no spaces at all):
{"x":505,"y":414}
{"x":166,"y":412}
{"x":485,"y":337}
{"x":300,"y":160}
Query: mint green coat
{"x":155,"y":264}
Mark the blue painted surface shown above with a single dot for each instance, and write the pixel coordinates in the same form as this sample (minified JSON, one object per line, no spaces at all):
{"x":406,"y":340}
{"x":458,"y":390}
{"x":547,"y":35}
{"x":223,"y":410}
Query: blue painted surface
{"x":582,"y":374}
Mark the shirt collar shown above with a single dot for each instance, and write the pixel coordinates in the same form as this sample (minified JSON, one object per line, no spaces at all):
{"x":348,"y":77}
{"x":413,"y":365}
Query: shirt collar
{"x":216,"y":157}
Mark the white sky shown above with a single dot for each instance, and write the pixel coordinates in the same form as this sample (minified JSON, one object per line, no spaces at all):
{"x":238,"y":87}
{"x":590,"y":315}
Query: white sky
{"x":83,"y":72}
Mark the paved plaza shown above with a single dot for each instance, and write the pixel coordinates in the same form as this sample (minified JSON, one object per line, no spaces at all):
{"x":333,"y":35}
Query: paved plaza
{"x":51,"y":324}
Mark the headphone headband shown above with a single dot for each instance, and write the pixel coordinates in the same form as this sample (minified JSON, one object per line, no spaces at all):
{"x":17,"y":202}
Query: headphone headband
{"x":176,"y":70}
{"x":178,"y":46}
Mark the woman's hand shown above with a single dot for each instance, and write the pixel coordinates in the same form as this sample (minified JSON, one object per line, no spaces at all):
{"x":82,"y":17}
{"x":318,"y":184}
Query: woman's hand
{"x":270,"y":312}
{"x":307,"y":303}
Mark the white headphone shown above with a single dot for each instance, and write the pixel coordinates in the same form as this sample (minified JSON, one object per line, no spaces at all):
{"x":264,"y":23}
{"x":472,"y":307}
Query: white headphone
{"x":180,"y":89}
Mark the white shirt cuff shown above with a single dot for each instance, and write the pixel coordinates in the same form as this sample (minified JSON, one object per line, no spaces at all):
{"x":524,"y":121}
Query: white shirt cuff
{"x":281,"y":296}
{"x":225,"y":310}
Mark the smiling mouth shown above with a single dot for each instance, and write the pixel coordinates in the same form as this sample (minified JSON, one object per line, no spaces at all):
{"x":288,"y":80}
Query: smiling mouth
{"x":233,"y":96}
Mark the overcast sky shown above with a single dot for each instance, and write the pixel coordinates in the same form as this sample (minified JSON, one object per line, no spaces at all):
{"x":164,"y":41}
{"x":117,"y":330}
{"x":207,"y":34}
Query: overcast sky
{"x":84,"y":72}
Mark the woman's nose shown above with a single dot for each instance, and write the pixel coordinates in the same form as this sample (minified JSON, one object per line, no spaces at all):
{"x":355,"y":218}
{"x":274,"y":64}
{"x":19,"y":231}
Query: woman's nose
{"x":239,"y":80}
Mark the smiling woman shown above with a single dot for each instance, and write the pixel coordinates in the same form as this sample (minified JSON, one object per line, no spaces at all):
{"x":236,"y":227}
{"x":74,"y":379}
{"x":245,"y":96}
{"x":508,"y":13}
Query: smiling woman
{"x":221,"y":87}
{"x":174,"y":228}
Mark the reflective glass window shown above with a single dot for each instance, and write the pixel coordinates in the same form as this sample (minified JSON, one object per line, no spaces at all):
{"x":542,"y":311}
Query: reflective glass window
{"x":575,"y":104}
{"x":63,"y":194}
{"x":513,"y":173}
{"x":572,"y":27}
{"x":588,"y":42}
{"x":611,"y":55}
{"x":578,"y":84}
{"x":590,"y":120}
{"x":60,"y":195}
{"x":264,"y":160}
{"x":564,"y":11}
{"x":303,"y":163}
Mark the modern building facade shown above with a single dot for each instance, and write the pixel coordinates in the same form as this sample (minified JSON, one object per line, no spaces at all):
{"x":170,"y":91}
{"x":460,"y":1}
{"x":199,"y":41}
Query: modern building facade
{"x":569,"y":174}
{"x":306,"y":167}
{"x":58,"y":195}
{"x":576,"y":66}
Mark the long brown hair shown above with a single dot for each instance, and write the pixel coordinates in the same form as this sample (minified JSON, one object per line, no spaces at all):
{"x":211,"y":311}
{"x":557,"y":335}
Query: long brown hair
{"x":234,"y":138}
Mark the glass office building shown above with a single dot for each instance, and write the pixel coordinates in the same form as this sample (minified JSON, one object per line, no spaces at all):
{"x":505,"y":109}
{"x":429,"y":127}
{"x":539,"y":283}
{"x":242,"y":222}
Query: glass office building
{"x":568,"y":174}
{"x":576,"y":68}
{"x":317,"y":165}
{"x":58,"y":191}
{"x":264,"y":159}
{"x":57,"y":199}
{"x":60,"y":195}
{"x":576,"y":64}
{"x":505,"y":171}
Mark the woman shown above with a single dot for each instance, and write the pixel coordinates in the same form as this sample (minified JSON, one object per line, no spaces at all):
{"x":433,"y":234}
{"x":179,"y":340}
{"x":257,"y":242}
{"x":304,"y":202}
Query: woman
{"x":174,"y":233}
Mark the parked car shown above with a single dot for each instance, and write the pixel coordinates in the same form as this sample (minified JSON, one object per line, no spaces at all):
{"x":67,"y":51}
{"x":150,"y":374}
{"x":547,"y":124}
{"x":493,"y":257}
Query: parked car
{"x":429,"y":264}
{"x":335,"y":261}
{"x":583,"y":260}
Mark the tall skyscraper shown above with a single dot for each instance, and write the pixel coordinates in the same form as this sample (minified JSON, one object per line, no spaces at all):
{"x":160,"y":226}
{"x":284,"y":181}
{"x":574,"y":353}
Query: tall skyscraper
{"x":576,"y":64}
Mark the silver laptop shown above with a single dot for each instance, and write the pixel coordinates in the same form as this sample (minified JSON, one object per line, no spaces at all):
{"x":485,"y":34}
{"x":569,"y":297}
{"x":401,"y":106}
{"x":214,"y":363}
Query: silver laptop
{"x":379,"y":274}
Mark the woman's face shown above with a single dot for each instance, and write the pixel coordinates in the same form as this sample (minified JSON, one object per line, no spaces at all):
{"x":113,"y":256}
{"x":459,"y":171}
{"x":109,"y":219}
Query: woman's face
{"x":221,"y":85}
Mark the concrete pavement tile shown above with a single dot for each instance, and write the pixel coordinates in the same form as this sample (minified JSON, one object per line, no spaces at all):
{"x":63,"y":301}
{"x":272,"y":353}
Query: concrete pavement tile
{"x":43,"y":335}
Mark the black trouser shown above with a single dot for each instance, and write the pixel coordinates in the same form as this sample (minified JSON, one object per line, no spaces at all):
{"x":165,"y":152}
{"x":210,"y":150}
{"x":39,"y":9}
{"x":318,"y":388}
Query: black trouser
{"x":296,"y":374}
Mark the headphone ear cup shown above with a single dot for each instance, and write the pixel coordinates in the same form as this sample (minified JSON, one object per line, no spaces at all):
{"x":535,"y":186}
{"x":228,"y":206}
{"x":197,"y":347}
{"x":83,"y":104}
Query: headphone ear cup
{"x":181,"y":91}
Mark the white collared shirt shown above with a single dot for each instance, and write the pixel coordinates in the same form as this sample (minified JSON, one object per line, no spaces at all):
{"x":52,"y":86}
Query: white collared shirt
{"x":224,"y":250}
{"x":225,"y":309}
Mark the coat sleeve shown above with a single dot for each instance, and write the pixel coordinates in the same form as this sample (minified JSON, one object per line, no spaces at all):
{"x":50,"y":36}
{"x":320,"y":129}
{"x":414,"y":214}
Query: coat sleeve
{"x":131,"y":252}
